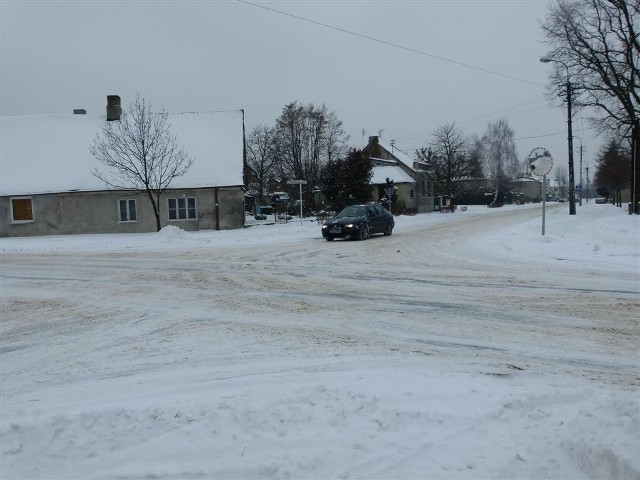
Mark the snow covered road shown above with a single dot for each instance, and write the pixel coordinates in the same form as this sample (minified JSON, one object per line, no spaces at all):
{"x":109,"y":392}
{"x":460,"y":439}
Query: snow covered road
{"x":463,"y":346}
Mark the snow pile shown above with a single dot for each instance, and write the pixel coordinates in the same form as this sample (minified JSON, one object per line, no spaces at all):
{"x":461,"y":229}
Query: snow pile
{"x":171,"y":233}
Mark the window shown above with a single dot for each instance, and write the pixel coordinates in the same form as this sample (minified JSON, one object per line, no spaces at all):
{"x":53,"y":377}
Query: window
{"x":182,"y":208}
{"x":411,"y":193}
{"x":128,"y":211}
{"x":424,"y":190}
{"x":21,"y":210}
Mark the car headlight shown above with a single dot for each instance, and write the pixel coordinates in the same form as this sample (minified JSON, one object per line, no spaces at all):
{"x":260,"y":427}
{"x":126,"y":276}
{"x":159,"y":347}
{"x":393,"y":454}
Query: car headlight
{"x":349,"y":225}
{"x":325,"y":226}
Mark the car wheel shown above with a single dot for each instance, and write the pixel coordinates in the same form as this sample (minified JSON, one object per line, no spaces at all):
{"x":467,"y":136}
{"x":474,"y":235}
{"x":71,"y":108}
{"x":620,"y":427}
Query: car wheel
{"x":329,"y":238}
{"x":364,"y":232}
{"x":388,"y":229}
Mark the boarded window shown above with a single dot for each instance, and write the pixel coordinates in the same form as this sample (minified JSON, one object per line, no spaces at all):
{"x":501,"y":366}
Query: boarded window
{"x":21,"y":210}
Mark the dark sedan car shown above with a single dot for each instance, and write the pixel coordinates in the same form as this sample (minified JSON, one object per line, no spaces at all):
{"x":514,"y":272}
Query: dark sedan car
{"x":358,"y":222}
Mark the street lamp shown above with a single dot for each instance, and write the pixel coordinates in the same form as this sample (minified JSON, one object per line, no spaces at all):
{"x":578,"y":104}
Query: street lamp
{"x":572,"y":193}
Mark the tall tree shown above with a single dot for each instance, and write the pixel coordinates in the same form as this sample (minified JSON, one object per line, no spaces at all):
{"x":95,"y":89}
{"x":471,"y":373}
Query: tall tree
{"x":335,"y":142}
{"x":475,"y":157}
{"x":595,"y":45}
{"x":449,"y":156}
{"x":500,"y":156}
{"x":562,"y":180}
{"x":262,"y":157}
{"x":308,"y":137}
{"x":347,"y":177}
{"x":612,"y":167}
{"x":140,"y":153}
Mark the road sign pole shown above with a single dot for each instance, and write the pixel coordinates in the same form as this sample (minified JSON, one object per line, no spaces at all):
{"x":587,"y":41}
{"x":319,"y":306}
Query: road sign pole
{"x":300,"y":203}
{"x":544,"y":200}
{"x":540,"y":163}
{"x":298,"y":182}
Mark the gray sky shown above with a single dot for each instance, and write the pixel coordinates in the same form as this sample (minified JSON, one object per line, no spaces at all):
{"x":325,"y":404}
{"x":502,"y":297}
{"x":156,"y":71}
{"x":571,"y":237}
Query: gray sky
{"x":223,"y":55}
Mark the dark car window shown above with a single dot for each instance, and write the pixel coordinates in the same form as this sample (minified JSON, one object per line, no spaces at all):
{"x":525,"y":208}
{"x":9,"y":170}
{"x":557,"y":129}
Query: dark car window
{"x":371,"y":212}
{"x":379,"y":210}
{"x":353,"y":211}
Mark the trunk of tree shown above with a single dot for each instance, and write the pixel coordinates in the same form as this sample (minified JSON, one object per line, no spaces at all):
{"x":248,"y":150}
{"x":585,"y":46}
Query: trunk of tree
{"x":155,"y":203}
{"x":635,"y":168}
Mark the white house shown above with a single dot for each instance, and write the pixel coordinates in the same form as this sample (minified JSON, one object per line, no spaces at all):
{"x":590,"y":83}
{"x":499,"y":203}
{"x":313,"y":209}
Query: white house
{"x":46,"y":184}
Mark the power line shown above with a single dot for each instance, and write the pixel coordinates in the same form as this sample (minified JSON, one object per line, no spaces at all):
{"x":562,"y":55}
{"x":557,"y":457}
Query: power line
{"x":541,"y":136}
{"x":509,"y":111}
{"x":391,"y":44}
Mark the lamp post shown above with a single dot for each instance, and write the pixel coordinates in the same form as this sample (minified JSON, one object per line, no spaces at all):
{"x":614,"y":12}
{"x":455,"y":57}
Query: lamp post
{"x":572,"y":193}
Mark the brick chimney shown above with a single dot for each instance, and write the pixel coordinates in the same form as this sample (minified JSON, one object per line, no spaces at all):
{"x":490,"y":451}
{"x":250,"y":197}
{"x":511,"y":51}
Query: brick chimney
{"x":373,"y":147}
{"x":113,"y":108}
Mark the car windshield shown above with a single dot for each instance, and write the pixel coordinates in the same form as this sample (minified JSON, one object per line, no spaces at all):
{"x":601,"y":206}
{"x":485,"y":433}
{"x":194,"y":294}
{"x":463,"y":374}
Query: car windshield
{"x":353,"y":211}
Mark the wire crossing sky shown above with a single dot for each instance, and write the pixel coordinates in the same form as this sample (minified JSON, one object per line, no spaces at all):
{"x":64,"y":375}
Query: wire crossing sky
{"x":391,"y":44}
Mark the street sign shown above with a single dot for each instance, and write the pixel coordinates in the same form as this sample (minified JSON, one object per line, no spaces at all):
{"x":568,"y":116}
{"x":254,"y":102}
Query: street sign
{"x":540,"y":162}
{"x":578,"y":188}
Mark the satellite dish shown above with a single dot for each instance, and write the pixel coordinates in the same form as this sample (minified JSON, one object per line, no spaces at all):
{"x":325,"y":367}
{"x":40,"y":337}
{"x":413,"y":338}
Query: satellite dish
{"x":540,"y":162}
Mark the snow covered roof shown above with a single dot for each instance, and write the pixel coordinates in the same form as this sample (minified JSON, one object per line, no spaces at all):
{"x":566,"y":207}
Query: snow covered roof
{"x":398,"y":154}
{"x":50,"y":153}
{"x":395,"y":173}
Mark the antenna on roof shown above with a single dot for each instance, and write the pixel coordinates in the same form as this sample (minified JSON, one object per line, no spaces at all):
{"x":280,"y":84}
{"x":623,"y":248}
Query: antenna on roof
{"x":393,"y":143}
{"x":380,"y":133}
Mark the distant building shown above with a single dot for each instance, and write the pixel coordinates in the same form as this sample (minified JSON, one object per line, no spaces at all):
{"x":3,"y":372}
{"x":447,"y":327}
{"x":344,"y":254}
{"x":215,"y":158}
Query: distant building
{"x":47,"y":187}
{"x":415,"y":187}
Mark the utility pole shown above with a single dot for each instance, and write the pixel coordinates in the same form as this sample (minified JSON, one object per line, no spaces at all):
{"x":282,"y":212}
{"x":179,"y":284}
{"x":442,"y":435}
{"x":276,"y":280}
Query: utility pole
{"x":581,"y":149}
{"x":635,"y":166}
{"x":572,"y":184}
{"x":587,"y":168}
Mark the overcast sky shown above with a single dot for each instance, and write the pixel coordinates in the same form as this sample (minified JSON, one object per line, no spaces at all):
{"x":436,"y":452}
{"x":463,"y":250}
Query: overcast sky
{"x":399,"y":67}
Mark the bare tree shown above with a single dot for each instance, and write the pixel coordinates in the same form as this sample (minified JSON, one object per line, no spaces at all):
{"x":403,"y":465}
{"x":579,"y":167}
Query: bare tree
{"x":562,"y":181}
{"x":308,"y":137}
{"x":500,"y":156}
{"x":262,"y":156}
{"x":595,"y":46}
{"x":140,"y":153}
{"x":335,"y":143}
{"x":449,"y":155}
{"x":476,"y":154}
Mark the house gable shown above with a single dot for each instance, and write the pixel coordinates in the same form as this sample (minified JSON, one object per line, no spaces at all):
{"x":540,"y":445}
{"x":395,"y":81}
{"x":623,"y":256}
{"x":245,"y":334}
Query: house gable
{"x":416,"y":187}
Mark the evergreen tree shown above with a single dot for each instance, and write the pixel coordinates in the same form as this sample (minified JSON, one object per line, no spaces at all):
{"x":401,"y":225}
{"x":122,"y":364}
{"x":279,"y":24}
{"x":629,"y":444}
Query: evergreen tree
{"x":347,"y":177}
{"x":612,"y":170}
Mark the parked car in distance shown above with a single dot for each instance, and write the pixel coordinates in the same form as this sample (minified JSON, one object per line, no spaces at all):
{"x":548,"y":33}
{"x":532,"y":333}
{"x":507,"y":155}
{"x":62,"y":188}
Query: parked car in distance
{"x":601,"y":200}
{"x":358,"y":222}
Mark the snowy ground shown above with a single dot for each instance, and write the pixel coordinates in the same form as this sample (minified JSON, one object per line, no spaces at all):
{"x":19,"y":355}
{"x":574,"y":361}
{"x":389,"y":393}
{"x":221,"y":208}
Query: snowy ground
{"x":465,"y":345}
